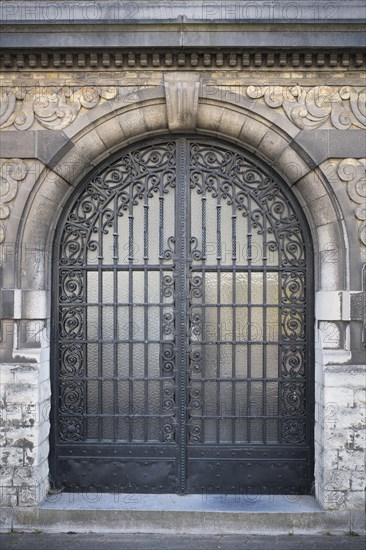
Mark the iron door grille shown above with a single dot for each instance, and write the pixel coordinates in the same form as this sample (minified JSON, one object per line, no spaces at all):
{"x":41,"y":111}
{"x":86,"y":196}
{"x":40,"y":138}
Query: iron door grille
{"x":183,"y":326}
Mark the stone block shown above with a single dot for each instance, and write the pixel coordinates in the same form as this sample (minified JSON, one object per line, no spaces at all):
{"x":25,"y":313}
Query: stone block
{"x":6,"y":516}
{"x":272,"y":145}
{"x":35,"y":255}
{"x":73,"y":166}
{"x":181,"y":92}
{"x":24,"y":146}
{"x":332,"y":334}
{"x":337,"y":480}
{"x":21,"y":454}
{"x":28,"y":495}
{"x":44,"y":391}
{"x":332,"y":143}
{"x":319,"y":370}
{"x":49,"y":142}
{"x":334,"y":437}
{"x":91,"y":146}
{"x":34,"y":304}
{"x":359,"y":397}
{"x":54,"y":187}
{"x":17,"y":413}
{"x":111,"y":133}
{"x":352,"y":376}
{"x":43,"y":471}
{"x":329,"y":237}
{"x":291,"y":165}
{"x":352,"y":418}
{"x":41,"y":452}
{"x":356,"y":500}
{"x":358,"y":479}
{"x":329,"y":460}
{"x":8,"y":496}
{"x":44,"y":411}
{"x":44,"y":365}
{"x":24,"y":475}
{"x":155,"y":119}
{"x":351,"y":460}
{"x":310,"y":187}
{"x":355,"y":438}
{"x":318,"y":434}
{"x":132,"y":123}
{"x":329,"y":261}
{"x":209,"y":116}
{"x":323,"y":211}
{"x":252,"y":132}
{"x":319,"y":402}
{"x":20,"y":392}
{"x":334,"y":500}
{"x":356,"y":305}
{"x":231,"y":123}
{"x":343,"y":399}
{"x":328,"y":305}
{"x":7,"y":303}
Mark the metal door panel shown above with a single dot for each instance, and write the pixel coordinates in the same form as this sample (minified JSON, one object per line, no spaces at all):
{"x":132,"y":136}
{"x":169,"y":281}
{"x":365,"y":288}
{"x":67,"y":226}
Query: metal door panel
{"x":182,"y":336}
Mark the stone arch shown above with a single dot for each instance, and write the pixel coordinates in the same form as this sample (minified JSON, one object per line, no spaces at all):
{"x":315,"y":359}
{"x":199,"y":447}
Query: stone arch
{"x":97,"y":134}
{"x":94,"y":136}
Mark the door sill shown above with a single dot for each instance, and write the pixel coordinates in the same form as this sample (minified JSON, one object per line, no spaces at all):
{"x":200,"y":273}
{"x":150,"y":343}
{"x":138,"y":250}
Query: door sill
{"x":182,"y":503}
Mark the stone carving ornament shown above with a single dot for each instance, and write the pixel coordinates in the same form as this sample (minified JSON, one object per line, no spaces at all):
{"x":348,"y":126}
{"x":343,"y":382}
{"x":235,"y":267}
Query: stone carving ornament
{"x":12,"y":171}
{"x":53,"y":107}
{"x":307,"y":108}
{"x":353,"y":172}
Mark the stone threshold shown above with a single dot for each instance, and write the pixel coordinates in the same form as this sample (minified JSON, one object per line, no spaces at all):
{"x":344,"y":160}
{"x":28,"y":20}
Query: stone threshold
{"x":199,"y":514}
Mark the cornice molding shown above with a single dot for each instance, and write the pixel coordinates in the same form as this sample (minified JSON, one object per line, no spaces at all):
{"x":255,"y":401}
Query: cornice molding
{"x":178,"y":59}
{"x":79,"y":12}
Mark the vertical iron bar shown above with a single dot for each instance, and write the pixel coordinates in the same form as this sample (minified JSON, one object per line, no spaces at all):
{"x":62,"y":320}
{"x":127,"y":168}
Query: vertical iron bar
{"x":204,"y":331}
{"x":218,"y":344}
{"x":146,"y":229}
{"x":115,"y":320}
{"x":181,"y":236}
{"x":234,"y":310}
{"x":146,"y":316}
{"x":161,"y":299}
{"x":265,"y":319}
{"x":161,"y":222}
{"x":130,"y":235}
{"x":279,"y":350}
{"x":100,"y":333}
{"x":130,"y":323}
{"x":204,"y":228}
{"x":249,"y":347}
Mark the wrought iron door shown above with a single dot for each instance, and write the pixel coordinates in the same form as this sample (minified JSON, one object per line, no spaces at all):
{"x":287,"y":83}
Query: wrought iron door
{"x":182,"y":336}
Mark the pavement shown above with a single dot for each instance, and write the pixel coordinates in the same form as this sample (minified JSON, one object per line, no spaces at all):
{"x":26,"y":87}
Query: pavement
{"x":79,"y":541}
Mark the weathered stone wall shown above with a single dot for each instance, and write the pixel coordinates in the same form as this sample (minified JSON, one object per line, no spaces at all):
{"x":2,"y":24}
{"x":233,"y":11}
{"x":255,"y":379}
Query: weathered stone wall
{"x":302,"y":112}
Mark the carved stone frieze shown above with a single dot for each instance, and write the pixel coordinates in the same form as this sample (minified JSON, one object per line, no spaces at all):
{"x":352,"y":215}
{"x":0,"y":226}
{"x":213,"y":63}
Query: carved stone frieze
{"x":12,"y":171}
{"x":307,"y":107}
{"x":353,"y":173}
{"x":341,"y":107}
{"x":53,"y":107}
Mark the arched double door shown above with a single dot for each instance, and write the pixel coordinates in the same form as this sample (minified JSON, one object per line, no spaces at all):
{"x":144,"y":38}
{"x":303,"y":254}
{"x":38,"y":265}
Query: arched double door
{"x":182,"y":333}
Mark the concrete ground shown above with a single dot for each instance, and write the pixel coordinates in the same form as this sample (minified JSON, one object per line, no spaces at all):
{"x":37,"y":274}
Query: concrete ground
{"x":73,"y":541}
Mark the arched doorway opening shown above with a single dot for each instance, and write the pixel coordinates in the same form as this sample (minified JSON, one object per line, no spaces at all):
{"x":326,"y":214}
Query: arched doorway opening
{"x":183,"y":314}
